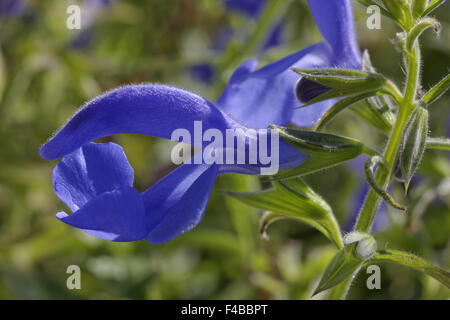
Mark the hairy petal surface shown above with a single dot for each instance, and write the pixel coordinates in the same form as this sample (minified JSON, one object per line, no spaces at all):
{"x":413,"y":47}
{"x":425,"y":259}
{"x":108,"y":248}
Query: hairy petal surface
{"x":154,"y":110}
{"x":335,"y":22}
{"x":266,"y":96}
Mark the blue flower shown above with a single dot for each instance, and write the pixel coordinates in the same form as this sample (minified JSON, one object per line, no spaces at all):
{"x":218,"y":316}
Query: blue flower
{"x":272,"y":85}
{"x":95,"y":180}
{"x":173,"y":205}
{"x":206,"y":72}
{"x":12,"y":8}
{"x":252,"y":9}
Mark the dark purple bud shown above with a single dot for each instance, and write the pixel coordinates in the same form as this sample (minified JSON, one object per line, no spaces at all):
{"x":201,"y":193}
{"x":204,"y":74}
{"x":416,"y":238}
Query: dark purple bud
{"x":306,"y":90}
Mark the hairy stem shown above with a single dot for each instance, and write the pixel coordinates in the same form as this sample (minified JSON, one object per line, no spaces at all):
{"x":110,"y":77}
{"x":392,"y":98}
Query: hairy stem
{"x":385,"y":174}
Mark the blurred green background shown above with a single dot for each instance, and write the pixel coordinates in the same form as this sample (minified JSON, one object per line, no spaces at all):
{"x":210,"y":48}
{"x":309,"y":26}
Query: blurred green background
{"x":48,"y":71}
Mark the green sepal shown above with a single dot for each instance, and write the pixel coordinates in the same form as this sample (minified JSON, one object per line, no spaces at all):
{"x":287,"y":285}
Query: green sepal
{"x":414,"y":144}
{"x":340,"y":106}
{"x":342,"y":78}
{"x":401,"y":10}
{"x":418,"y":8}
{"x":437,"y":91}
{"x":343,"y":265}
{"x":376,"y":110}
{"x":433,"y":6}
{"x":293,"y":199}
{"x":344,"y":82}
{"x":324,"y":150}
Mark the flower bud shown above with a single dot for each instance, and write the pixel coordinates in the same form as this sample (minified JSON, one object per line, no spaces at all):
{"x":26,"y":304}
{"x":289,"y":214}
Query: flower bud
{"x":414,"y":143}
{"x":306,"y":90}
{"x":366,"y":244}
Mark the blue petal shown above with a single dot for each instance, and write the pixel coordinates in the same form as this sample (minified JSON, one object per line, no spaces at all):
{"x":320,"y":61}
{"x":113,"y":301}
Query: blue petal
{"x":116,"y":215}
{"x":275,"y":36}
{"x":267,"y":95}
{"x":251,"y":8}
{"x":202,"y":72}
{"x":335,"y":22}
{"x":176,"y":203}
{"x":90,"y":171}
{"x":309,"y":116}
{"x":381,"y":220}
{"x":154,"y":110}
{"x":12,"y":8}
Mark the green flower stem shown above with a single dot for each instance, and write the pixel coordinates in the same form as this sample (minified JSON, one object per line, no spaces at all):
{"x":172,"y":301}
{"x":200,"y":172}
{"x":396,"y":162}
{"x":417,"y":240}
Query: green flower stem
{"x":384,"y":176}
{"x":412,"y":82}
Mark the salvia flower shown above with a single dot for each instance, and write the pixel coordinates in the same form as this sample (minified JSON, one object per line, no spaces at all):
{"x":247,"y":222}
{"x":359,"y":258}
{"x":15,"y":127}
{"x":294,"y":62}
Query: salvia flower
{"x":251,"y":9}
{"x":95,"y":180}
{"x":12,"y":8}
{"x":173,"y":205}
{"x":273,"y":84}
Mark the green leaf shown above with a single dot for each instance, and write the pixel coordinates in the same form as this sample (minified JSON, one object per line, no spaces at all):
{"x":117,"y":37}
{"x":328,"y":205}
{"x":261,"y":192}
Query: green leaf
{"x":325,"y":150}
{"x":438,"y":143}
{"x":437,"y":91}
{"x":414,"y":262}
{"x":294,"y":199}
{"x":342,"y":266}
{"x":413,"y":145}
{"x":433,"y":6}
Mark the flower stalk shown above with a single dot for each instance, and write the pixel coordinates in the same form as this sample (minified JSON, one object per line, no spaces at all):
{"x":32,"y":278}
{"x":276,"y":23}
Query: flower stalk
{"x":384,"y":174}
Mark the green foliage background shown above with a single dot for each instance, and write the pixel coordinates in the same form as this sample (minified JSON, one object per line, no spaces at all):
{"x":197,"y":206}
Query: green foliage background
{"x":43,"y":80}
